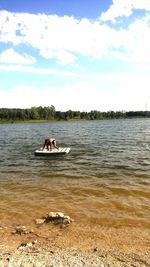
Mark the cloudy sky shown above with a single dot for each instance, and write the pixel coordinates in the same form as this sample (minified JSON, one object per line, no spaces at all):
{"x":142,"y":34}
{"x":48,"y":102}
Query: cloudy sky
{"x":79,"y":55}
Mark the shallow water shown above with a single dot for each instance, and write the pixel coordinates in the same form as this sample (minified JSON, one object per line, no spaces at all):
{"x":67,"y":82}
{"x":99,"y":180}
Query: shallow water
{"x":105,"y":179}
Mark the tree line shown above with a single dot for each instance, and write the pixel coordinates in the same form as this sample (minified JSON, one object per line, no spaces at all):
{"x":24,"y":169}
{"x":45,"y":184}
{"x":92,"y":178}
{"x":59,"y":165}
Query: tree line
{"x":50,"y":113}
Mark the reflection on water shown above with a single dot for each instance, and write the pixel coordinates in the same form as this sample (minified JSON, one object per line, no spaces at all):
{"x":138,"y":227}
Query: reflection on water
{"x":106,"y":176}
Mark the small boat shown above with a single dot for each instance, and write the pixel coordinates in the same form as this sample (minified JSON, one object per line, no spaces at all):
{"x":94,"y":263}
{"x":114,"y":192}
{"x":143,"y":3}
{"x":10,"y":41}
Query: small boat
{"x":46,"y":152}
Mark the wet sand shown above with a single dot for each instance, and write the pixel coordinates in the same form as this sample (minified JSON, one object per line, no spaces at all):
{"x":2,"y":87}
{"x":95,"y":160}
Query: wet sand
{"x":74,"y":245}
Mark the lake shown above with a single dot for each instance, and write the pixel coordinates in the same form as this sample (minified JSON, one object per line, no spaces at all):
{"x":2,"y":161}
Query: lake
{"x":104,"y":180}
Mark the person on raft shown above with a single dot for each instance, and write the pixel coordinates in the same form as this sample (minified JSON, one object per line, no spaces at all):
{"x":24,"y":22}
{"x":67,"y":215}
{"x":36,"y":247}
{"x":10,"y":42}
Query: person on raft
{"x":50,"y":143}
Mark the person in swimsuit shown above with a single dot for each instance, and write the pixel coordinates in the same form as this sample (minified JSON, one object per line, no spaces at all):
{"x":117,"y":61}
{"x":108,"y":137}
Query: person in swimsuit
{"x":50,"y":143}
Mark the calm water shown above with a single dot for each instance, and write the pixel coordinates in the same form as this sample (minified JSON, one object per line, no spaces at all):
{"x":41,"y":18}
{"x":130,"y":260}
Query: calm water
{"x":105,"y":180}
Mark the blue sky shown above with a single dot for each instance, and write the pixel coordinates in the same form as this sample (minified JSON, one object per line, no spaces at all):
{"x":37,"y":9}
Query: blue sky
{"x":86,"y":55}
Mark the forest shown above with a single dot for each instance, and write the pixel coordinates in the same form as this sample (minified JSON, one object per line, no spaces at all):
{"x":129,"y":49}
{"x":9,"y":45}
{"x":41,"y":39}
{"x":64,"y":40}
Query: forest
{"x":50,"y":113}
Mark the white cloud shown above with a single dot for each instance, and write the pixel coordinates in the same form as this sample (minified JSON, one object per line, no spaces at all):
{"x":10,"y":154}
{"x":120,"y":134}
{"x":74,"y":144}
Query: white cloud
{"x":65,"y":39}
{"x":22,"y":96}
{"x":41,"y":71}
{"x":97,"y":92}
{"x":140,"y":42}
{"x":61,"y":38}
{"x":74,"y":96}
{"x":118,"y":8}
{"x":63,"y":57}
{"x":9,"y":56}
{"x":124,"y":8}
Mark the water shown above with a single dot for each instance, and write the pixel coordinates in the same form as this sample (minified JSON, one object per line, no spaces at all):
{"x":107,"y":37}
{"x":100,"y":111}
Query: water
{"x":104,"y":180}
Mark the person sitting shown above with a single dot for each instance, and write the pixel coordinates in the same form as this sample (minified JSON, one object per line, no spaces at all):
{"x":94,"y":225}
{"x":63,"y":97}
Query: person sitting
{"x":50,"y":143}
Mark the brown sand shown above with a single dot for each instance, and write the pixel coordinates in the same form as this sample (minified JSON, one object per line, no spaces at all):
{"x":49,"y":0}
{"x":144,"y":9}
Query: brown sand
{"x":74,"y":245}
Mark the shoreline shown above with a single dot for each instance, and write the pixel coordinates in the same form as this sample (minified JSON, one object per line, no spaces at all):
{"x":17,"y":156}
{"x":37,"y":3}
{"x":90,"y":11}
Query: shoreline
{"x":39,"y":121}
{"x":52,"y":245}
{"x":66,"y":120}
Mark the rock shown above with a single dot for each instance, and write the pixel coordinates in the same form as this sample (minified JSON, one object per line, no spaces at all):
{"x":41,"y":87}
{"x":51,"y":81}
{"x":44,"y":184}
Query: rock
{"x":27,"y":245}
{"x":54,"y":218}
{"x":57,"y":218}
{"x":20,"y":229}
{"x":34,"y":242}
{"x":22,"y":245}
{"x":54,"y":215}
{"x":39,"y":221}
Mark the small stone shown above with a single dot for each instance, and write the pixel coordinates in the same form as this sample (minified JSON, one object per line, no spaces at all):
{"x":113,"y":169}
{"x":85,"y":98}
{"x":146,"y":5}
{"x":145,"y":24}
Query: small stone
{"x":39,"y":221}
{"x":51,"y":251}
{"x":20,"y":229}
{"x":29,"y":245}
{"x":22,"y":245}
{"x":67,"y":220}
{"x":34,"y":242}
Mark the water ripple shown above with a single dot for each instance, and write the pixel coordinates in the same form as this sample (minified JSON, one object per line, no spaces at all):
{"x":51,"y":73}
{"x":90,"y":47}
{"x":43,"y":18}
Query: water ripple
{"x":106,"y":176}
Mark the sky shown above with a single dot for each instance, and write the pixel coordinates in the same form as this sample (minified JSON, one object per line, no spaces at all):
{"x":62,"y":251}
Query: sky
{"x":81,"y":55}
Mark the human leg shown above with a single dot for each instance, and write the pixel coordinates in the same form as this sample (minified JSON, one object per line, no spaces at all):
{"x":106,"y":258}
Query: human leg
{"x":54,"y":144}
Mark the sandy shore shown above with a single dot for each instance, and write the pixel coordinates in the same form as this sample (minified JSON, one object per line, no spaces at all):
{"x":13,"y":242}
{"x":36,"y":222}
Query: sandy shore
{"x":74,"y":245}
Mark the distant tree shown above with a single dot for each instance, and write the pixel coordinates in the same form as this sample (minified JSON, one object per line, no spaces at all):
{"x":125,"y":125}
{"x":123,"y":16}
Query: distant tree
{"x":76,"y":114}
{"x":84,"y":115}
{"x":34,"y":113}
{"x":49,"y":113}
{"x":69,"y":114}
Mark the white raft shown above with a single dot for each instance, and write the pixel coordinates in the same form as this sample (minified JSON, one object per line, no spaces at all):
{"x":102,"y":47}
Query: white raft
{"x":45,"y":152}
